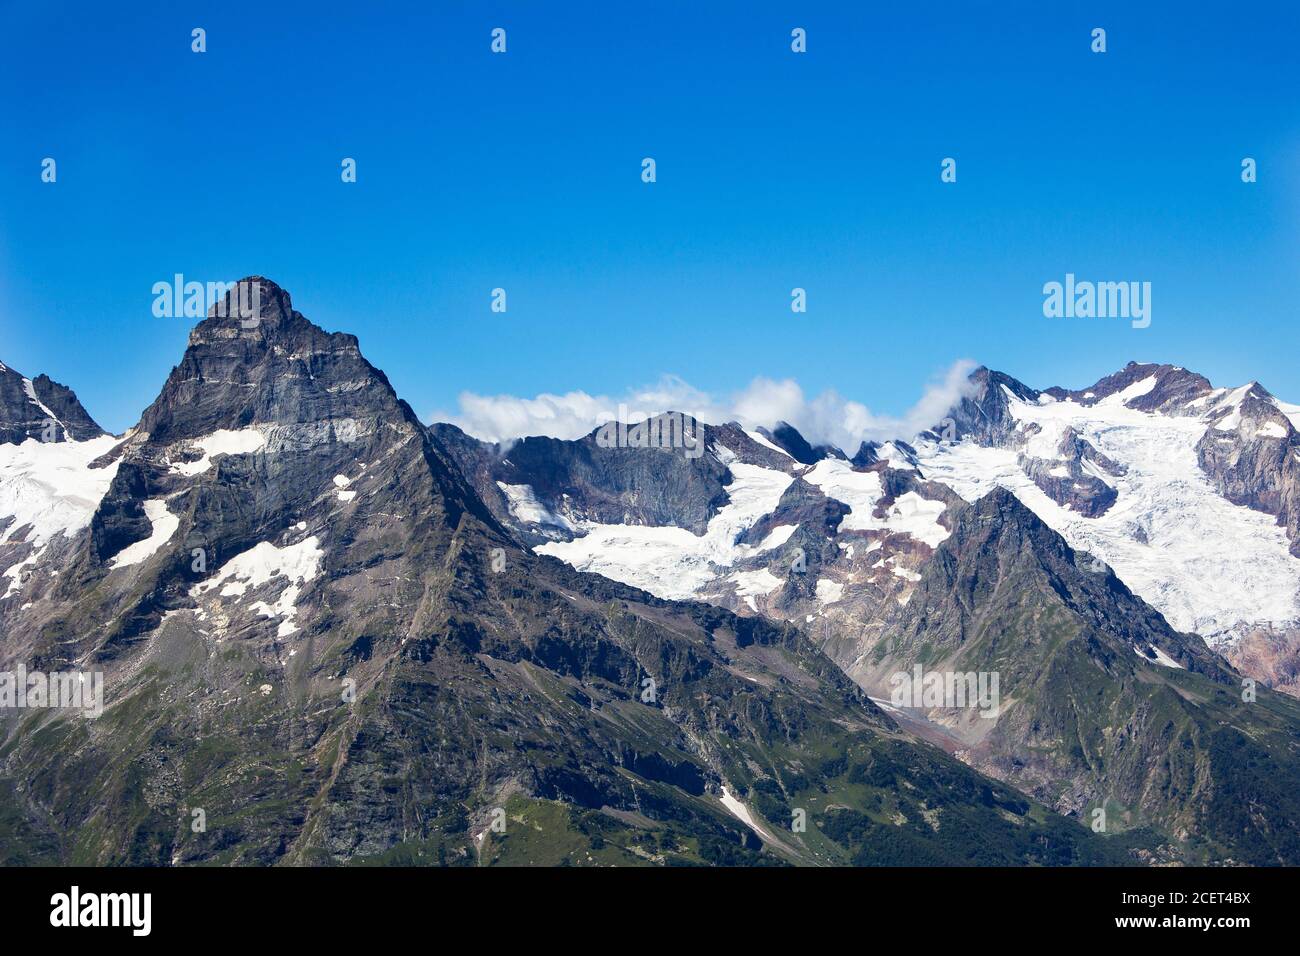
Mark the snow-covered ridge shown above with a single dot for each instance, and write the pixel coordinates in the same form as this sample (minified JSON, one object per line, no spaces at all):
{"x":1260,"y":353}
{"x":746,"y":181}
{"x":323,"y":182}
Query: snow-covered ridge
{"x":1208,"y":565}
{"x":758,"y":437}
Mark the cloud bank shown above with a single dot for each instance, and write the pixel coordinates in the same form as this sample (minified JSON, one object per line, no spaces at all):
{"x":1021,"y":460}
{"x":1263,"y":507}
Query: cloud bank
{"x":827,"y":418}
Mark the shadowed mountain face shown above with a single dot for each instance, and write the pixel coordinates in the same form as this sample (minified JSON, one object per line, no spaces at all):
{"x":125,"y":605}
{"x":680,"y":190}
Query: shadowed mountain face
{"x":607,"y":479}
{"x":41,"y":409}
{"x":1103,"y":705}
{"x":320,"y":645}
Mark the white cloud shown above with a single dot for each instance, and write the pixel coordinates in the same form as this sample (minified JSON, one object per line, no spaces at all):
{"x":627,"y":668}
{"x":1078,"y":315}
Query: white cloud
{"x":826,"y":418}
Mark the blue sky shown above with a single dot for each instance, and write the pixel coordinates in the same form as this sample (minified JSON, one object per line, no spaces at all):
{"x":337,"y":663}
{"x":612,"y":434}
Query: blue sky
{"x":775,"y":170}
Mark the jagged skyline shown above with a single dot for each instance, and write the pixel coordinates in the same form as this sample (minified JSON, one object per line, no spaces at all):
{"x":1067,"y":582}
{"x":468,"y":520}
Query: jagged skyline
{"x":775,"y":170}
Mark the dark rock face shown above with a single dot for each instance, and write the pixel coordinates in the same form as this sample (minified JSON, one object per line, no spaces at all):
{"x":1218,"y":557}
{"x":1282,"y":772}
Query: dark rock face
{"x":285,"y":371}
{"x":1174,"y":391}
{"x":786,"y":436}
{"x":997,"y":539}
{"x":1252,"y":455}
{"x":587,"y":479}
{"x":984,"y":415}
{"x":615,"y":485}
{"x":1086,"y":494}
{"x":1065,"y":480}
{"x":22,"y":417}
{"x":804,"y":505}
{"x":868,"y":454}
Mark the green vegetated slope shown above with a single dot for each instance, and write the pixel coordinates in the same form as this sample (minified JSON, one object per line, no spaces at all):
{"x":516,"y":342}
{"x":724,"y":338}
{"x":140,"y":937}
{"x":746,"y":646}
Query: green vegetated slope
{"x":1090,"y":718}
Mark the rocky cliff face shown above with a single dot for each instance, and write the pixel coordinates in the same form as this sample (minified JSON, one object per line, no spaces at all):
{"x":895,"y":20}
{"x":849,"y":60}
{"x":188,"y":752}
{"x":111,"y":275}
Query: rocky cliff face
{"x":604,"y":478}
{"x":1251,"y":452}
{"x":41,"y":409}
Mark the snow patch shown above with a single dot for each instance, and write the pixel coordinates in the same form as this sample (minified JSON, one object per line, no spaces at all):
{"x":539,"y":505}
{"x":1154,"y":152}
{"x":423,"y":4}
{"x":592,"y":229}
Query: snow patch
{"x":1161,"y":658}
{"x":1270,"y":430}
{"x":525,"y":508}
{"x":50,"y":488}
{"x":861,"y":491}
{"x":15,"y":573}
{"x":225,"y":441}
{"x":741,"y":813}
{"x":828,"y":591}
{"x":671,"y":562}
{"x":163,"y":525}
{"x":1130,"y":392}
{"x":777,"y":536}
{"x":723,"y":454}
{"x":1290,"y":411}
{"x":297,"y":563}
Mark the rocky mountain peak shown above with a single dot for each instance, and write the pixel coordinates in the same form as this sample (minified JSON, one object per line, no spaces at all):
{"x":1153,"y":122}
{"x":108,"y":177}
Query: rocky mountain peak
{"x":256,"y":361}
{"x":253,"y":302}
{"x":1145,"y":386}
{"x":983,"y":412}
{"x":787,"y":437}
{"x":42,"y":409}
{"x":270,"y":429}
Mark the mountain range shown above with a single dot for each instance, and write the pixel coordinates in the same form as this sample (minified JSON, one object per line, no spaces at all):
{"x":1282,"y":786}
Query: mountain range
{"x":333,"y":634}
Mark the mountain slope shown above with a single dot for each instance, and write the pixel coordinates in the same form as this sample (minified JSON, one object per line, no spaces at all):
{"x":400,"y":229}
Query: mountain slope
{"x":320,"y":645}
{"x":880,"y":562}
{"x":1186,"y":490}
{"x":1103,"y":704}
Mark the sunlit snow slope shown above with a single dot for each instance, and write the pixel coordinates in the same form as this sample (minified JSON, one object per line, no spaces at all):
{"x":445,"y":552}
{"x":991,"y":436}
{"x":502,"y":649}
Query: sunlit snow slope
{"x":1208,"y":565}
